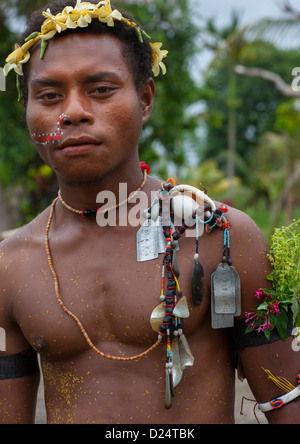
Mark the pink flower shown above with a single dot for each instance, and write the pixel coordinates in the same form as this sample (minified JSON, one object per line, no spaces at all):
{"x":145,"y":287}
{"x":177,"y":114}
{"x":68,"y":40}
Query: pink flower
{"x":267,"y":323}
{"x":260,"y":328}
{"x":251,"y":316}
{"x":261,"y":295}
{"x":274,"y":308}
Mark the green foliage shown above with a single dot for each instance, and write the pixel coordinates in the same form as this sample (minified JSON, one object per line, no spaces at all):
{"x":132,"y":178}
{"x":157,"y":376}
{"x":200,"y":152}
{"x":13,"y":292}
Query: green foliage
{"x":257,"y":103}
{"x":274,"y":304}
{"x":285,"y":261}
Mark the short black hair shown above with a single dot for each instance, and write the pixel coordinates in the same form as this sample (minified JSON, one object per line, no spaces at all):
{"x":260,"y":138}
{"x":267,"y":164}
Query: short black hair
{"x":138,"y":55}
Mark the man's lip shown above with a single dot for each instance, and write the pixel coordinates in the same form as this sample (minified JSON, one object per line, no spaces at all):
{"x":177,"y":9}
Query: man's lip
{"x":78,"y":141}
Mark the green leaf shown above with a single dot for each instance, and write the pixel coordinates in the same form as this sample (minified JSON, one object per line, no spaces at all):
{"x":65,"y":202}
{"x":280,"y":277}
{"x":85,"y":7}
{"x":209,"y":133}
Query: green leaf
{"x":263,"y":306}
{"x":295,"y":307}
{"x":248,"y":330}
{"x":281,"y":325}
{"x":267,"y":334}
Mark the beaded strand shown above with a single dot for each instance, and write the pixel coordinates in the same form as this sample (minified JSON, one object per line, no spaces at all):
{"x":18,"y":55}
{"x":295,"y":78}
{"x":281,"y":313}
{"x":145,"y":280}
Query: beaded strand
{"x":145,"y":170}
{"x":72,"y":315}
{"x":86,"y":212}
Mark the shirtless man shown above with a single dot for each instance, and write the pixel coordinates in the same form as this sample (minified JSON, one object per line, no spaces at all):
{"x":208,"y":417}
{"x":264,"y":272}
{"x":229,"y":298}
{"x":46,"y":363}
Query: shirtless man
{"x":104,"y":101}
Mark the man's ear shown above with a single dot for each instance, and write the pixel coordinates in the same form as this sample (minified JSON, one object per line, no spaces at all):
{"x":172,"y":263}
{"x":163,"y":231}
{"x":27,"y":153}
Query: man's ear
{"x":147,"y":95}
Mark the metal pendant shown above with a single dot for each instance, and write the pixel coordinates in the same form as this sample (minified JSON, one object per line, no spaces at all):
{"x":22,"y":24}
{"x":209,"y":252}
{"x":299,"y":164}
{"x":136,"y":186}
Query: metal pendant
{"x":155,"y":211}
{"x":176,"y":369}
{"x":157,"y":316}
{"x":181,"y":309}
{"x":150,"y":240}
{"x":185,"y":354}
{"x":223,"y":297}
{"x":197,"y":282}
{"x":147,"y":242}
{"x":168,"y":393}
{"x":238,"y":294}
{"x":224,"y":290}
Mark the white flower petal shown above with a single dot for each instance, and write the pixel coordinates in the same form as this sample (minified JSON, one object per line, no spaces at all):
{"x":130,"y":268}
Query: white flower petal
{"x":68,"y":9}
{"x":70,"y":24}
{"x":116,"y":15}
{"x":48,"y":36}
{"x":163,"y":68}
{"x":88,"y":18}
{"x":8,"y":67}
{"x":26,"y":59}
{"x":81,"y":22}
{"x":18,"y":70}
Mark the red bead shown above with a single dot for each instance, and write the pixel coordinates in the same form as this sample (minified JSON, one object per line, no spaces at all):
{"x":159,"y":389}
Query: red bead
{"x":223,"y":209}
{"x":144,"y":166}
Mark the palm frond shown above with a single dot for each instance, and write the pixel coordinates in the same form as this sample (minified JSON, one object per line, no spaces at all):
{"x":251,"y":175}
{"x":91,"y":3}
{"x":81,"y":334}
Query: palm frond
{"x":283,"y":31}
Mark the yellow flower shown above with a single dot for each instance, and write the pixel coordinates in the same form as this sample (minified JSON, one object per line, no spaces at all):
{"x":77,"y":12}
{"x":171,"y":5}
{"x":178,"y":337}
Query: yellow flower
{"x":85,"y":6}
{"x":18,"y":57}
{"x":80,"y":16}
{"x":106,"y":15}
{"x":157,"y":59}
{"x":48,"y":36}
{"x":57,"y":22}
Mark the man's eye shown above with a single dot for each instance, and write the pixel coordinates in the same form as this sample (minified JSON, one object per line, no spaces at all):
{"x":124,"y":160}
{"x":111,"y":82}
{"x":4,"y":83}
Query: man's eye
{"x":49,"y":96}
{"x":103,"y":90}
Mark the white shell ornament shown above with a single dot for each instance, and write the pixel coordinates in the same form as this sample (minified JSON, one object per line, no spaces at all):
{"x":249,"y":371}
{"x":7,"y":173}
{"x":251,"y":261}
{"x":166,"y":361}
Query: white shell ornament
{"x":157,"y":316}
{"x":181,"y":309}
{"x":183,"y":207}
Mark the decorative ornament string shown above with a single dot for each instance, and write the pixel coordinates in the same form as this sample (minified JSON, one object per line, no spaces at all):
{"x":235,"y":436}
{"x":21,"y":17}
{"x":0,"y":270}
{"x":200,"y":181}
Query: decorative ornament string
{"x":72,"y":315}
{"x":145,"y":169}
{"x":86,"y":212}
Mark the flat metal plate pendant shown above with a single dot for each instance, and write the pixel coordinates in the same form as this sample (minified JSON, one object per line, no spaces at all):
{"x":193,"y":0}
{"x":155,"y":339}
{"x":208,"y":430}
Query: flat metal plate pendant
{"x":238,"y":292}
{"x":186,"y":356}
{"x":223,"y":297}
{"x":176,"y":369}
{"x":147,"y":242}
{"x":150,"y":240}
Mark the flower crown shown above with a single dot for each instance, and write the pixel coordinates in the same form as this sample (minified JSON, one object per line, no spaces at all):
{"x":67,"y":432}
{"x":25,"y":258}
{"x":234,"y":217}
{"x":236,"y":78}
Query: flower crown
{"x":72,"y":18}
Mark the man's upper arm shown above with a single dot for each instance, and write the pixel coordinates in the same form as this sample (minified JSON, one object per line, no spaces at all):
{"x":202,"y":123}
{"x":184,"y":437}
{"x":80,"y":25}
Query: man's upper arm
{"x":256,"y":356}
{"x":19,"y":372}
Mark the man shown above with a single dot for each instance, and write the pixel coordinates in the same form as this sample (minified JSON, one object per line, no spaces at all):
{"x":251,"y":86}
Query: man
{"x":84,"y":304}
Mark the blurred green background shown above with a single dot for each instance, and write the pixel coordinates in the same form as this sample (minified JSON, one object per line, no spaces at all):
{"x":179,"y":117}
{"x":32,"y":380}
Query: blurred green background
{"x":237,"y":134}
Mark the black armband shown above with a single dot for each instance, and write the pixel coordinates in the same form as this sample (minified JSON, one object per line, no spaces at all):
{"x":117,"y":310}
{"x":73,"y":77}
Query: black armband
{"x":255,"y":339}
{"x":19,"y":365}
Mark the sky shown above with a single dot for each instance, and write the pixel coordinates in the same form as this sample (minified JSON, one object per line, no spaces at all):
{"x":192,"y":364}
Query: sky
{"x":249,"y":10}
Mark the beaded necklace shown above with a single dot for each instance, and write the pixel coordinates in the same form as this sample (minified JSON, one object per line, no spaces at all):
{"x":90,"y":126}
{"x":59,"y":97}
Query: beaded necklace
{"x":145,"y":170}
{"x":86,"y":212}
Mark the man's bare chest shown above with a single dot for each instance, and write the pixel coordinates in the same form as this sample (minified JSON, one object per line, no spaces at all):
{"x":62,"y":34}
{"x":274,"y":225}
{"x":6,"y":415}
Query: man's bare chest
{"x":103,"y":285}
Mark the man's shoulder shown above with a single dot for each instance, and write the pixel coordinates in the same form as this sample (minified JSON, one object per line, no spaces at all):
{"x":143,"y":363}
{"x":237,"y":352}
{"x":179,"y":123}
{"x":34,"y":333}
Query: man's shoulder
{"x":23,"y":238}
{"x":243,"y":227}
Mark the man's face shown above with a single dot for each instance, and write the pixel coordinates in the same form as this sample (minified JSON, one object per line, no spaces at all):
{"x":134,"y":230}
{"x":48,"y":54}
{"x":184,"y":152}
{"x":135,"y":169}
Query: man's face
{"x":86,"y":78}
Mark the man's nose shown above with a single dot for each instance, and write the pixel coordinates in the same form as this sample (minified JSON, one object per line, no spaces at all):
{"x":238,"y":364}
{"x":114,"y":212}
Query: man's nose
{"x":77,"y":110}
